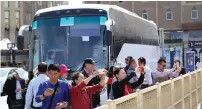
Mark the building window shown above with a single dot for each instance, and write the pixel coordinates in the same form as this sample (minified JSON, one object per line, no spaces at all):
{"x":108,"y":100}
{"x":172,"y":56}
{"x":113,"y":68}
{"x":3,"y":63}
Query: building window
{"x":17,"y":4}
{"x":65,"y":2}
{"x":39,"y":3}
{"x":194,"y":13}
{"x":6,"y":18}
{"x":169,"y":14}
{"x":6,"y":4}
{"x":17,"y":16}
{"x":29,"y":17}
{"x":98,"y":2}
{"x":145,"y":14}
{"x":120,"y":2}
{"x":50,"y":4}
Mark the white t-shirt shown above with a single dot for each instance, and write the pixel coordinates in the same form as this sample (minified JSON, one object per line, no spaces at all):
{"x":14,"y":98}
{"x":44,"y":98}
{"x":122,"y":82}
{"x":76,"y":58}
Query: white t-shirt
{"x":18,"y":94}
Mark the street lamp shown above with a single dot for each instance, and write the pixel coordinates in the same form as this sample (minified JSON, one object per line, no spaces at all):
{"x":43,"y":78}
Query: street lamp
{"x":10,"y":46}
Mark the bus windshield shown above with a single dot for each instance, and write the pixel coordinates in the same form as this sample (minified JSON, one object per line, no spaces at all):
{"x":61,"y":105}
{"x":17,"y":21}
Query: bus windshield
{"x":69,"y":40}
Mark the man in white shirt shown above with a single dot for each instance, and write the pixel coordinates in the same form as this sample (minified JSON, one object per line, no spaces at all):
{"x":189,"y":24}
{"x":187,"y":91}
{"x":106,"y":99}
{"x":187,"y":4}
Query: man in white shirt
{"x":34,"y":85}
{"x":148,"y":77}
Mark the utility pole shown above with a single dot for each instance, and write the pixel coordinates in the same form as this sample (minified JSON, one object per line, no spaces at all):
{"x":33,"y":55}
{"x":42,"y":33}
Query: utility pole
{"x":161,"y":36}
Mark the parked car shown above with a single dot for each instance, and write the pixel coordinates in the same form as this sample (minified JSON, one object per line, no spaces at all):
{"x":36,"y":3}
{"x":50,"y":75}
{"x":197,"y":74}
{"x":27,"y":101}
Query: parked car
{"x":6,"y":72}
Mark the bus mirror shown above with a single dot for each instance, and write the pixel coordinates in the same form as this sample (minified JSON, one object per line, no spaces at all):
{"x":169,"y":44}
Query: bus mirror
{"x":108,"y":37}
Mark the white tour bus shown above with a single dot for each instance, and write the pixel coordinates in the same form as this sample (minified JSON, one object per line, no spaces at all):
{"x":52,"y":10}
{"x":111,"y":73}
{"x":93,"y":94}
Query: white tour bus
{"x":75,"y":32}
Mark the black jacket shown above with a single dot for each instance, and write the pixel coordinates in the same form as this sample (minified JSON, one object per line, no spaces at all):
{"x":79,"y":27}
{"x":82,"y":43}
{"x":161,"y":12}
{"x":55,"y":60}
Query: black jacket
{"x":10,"y":87}
{"x":96,"y":96}
{"x":118,"y":86}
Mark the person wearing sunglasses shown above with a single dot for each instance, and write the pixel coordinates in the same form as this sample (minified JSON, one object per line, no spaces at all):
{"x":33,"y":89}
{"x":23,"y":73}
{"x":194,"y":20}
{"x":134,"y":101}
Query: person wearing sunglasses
{"x":160,"y":74}
{"x":127,"y":61}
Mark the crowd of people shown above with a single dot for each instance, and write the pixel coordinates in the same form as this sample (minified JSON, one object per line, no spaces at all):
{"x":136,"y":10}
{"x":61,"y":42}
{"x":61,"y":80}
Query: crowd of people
{"x":51,"y":90}
{"x":128,"y":79}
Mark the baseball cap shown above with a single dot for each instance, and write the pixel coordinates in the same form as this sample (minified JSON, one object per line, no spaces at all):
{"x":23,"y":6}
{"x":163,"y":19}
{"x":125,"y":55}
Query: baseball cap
{"x":89,"y":61}
{"x":63,"y":69}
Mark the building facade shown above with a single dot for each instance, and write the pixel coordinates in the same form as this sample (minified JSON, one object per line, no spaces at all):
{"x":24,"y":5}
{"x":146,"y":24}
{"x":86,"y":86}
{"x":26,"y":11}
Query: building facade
{"x":17,"y":13}
{"x":166,"y":14}
{"x":182,"y":21}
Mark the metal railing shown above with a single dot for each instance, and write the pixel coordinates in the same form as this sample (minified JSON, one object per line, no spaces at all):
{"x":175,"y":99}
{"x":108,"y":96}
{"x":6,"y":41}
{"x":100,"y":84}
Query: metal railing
{"x":184,"y":92}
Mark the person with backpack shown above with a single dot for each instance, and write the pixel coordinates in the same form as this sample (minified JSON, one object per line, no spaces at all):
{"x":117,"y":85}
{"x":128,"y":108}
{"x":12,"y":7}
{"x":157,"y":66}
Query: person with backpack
{"x":54,"y":93}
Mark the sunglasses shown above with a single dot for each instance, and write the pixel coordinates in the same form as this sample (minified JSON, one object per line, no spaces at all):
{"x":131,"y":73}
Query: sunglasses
{"x":126,"y":59}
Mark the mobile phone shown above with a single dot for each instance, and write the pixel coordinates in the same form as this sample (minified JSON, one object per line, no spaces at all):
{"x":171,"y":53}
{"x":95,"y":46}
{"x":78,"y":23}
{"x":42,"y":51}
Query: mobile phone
{"x":96,"y":71}
{"x":50,"y":89}
{"x":99,"y":71}
{"x":141,"y":69}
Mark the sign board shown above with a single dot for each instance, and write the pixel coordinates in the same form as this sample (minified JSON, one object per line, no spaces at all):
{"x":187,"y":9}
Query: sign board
{"x":190,"y":61}
{"x":195,"y":44}
{"x":173,"y":54}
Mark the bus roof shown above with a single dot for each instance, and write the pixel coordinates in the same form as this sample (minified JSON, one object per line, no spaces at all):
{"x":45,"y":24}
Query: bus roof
{"x":91,"y":6}
{"x":81,"y":6}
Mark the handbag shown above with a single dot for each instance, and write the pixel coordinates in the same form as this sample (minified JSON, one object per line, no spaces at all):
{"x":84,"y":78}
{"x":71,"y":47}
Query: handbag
{"x":17,"y":104}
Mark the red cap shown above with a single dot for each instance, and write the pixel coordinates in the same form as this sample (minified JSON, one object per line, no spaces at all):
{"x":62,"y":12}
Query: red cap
{"x":63,"y":69}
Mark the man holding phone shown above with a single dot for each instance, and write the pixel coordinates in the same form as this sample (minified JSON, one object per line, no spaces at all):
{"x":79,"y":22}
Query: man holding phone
{"x":54,"y":94}
{"x":87,"y":70}
{"x":148,"y":77}
{"x":161,"y":74}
